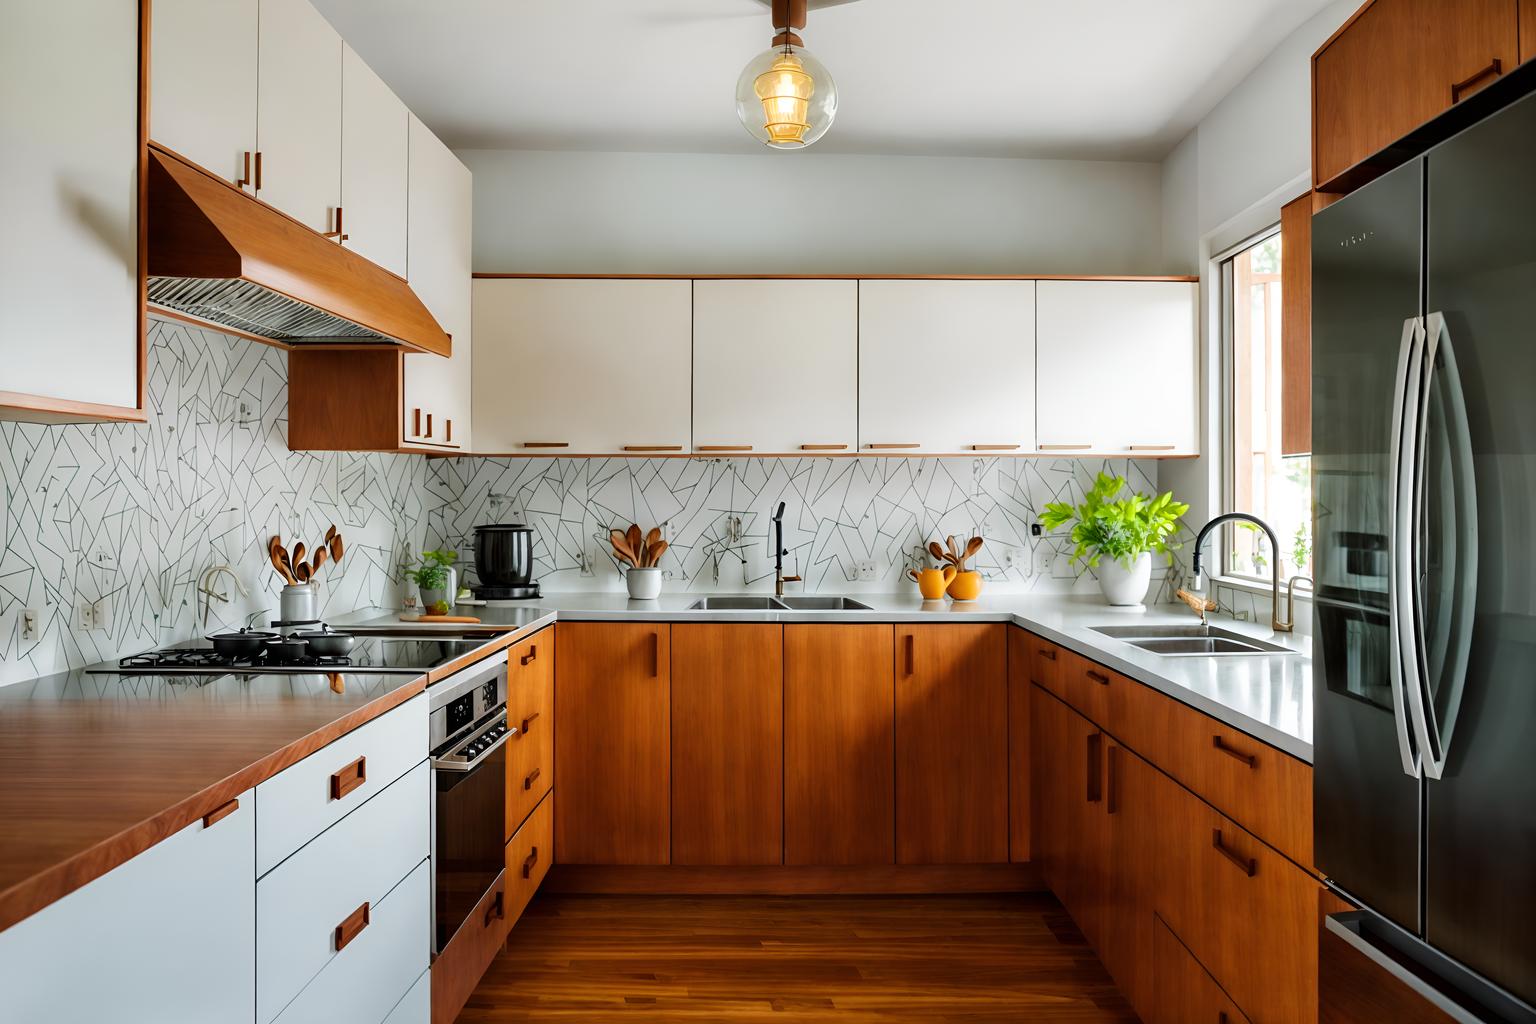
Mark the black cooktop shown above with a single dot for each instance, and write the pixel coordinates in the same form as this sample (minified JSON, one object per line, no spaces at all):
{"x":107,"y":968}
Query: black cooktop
{"x":382,"y":654}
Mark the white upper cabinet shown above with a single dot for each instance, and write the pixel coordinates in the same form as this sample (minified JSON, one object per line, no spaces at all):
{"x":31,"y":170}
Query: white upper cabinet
{"x":69,"y":157}
{"x":440,"y":236}
{"x":203,"y":103}
{"x":298,"y":107}
{"x":585,"y":366}
{"x":946,"y":366}
{"x":374,"y":130}
{"x":775,"y":365}
{"x":105,"y":951}
{"x":1118,"y":364}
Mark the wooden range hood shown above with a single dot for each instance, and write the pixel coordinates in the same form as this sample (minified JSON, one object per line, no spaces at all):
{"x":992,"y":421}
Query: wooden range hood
{"x":219,"y":256}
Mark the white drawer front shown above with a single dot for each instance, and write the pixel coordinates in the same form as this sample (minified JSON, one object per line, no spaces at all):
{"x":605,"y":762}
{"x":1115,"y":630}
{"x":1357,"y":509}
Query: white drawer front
{"x":362,"y":858}
{"x":365,"y":983}
{"x":416,"y":1007}
{"x":296,"y":804}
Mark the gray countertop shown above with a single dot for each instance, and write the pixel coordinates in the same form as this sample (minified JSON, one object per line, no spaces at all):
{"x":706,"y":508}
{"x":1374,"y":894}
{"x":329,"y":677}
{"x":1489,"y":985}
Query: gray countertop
{"x":1267,"y":696}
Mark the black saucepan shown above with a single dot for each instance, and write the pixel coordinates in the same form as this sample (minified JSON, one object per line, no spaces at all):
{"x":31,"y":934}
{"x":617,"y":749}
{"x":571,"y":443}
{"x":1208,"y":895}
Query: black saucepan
{"x":287,"y":648}
{"x":326,"y":642}
{"x":244,"y":645}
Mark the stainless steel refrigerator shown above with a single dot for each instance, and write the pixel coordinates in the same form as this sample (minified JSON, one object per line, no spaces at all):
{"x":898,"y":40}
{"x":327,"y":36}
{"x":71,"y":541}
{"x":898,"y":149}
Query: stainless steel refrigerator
{"x":1424,"y":462}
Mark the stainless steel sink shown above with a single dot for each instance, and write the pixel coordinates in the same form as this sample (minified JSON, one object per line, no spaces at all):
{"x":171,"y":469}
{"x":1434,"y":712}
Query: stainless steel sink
{"x":824,"y":604}
{"x":1191,"y":641}
{"x":733,"y":603}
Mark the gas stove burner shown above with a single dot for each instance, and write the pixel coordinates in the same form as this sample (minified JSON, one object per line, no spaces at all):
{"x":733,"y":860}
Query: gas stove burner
{"x":529,"y":592}
{"x":204,"y":657}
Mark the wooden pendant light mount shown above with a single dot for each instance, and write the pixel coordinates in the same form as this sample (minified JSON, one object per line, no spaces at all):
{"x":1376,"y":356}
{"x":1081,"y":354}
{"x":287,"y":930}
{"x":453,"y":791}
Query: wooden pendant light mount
{"x":788,"y":15}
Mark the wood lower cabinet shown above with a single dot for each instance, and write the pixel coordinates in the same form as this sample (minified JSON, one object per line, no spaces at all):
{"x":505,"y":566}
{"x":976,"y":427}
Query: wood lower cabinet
{"x":1184,"y":992}
{"x":951,"y":744}
{"x":1527,"y":30}
{"x":1070,"y":831}
{"x":1020,"y":655}
{"x":839,"y":745}
{"x":531,"y":711}
{"x":613,"y":742}
{"x":727,"y":743}
{"x":1395,"y":65}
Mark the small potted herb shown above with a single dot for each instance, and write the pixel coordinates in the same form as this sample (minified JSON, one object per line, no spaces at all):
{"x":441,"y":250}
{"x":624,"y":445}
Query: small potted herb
{"x":435,"y":578}
{"x":1127,"y":530}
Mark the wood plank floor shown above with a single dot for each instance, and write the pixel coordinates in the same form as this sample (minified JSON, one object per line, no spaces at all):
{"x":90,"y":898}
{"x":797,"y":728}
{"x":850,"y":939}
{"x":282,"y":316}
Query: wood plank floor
{"x":834,"y":959}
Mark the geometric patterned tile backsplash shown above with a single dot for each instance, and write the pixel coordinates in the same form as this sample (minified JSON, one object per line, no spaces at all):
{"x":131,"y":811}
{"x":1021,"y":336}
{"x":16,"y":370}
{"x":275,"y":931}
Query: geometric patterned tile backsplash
{"x":130,"y":515}
{"x":850,"y":525}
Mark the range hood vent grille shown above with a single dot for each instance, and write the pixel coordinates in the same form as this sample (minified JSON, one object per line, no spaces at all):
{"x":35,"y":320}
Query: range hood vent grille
{"x":251,"y":308}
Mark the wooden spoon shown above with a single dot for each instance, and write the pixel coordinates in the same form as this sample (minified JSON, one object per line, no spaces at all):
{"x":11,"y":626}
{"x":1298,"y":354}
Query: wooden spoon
{"x":303,"y":572}
{"x":299,"y":551}
{"x":330,"y":532}
{"x":936,"y":550}
{"x":973,"y":546}
{"x":282,"y":553}
{"x":336,"y":548}
{"x":275,"y":553}
{"x":654,"y":554}
{"x":318,"y":559}
{"x":954,"y":549}
{"x":621,"y":546}
{"x":635,"y":539}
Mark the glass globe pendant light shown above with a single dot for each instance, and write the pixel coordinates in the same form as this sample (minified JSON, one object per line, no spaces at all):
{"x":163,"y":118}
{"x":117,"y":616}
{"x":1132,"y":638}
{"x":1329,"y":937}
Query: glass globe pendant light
{"x":785,"y":97}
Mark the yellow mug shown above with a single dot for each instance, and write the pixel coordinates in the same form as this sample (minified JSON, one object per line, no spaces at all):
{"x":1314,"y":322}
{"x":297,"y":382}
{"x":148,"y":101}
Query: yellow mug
{"x":932,"y":582}
{"x":966,"y":586}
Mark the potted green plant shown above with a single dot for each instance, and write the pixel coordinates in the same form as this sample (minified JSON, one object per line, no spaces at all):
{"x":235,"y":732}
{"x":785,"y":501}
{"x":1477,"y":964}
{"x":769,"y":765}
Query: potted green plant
{"x":434,"y":577}
{"x":1127,"y":530}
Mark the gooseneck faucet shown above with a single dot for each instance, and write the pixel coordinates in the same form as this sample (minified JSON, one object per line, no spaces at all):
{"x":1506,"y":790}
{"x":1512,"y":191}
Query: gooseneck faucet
{"x":779,"y":579}
{"x":1275,"y":621}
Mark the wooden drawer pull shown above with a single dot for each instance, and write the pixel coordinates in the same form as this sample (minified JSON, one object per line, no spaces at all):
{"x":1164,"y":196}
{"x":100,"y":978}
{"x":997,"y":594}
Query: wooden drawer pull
{"x":1152,"y":447}
{"x":219,"y":813}
{"x":1249,"y":865}
{"x":653,"y":447}
{"x":655,"y":655}
{"x":532,"y":655}
{"x":890,"y":447}
{"x":911,"y":653}
{"x":1098,"y":677}
{"x":245,"y":177}
{"x":725,"y":448}
{"x":1250,"y":760}
{"x":1048,"y":653}
{"x":496,"y":910}
{"x":1095,"y":782}
{"x":349,"y":778}
{"x":258,"y":170}
{"x":1495,"y":67}
{"x":823,"y":447}
{"x":351,"y":927}
{"x":529,"y":862}
{"x":533,"y":777}
{"x":526,"y":723}
{"x":1065,"y":447}
{"x":995,"y":447}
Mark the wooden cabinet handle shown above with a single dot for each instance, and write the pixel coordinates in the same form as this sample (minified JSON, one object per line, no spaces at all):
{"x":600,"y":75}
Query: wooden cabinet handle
{"x":258,"y":170}
{"x":429,"y":426}
{"x":533,"y":777}
{"x":1152,"y":447}
{"x":1095,"y":782}
{"x":1249,"y":865}
{"x":529,"y":861}
{"x":995,"y":447}
{"x":352,"y":926}
{"x":1065,"y":447}
{"x":526,"y":723}
{"x":1495,"y":67}
{"x":1098,"y":677}
{"x":416,"y":422}
{"x":245,"y":175}
{"x":532,"y":655}
{"x":447,"y":426}
{"x":1112,"y":779}
{"x":910,"y":645}
{"x":1048,"y":653}
{"x":655,"y":655}
{"x":823,"y":447}
{"x":890,"y":447}
{"x":653,"y":448}
{"x":219,"y":813}
{"x":349,"y":778}
{"x":546,"y":444}
{"x":724,"y":448}
{"x":496,"y":910}
{"x":1237,"y":755}
{"x":338,"y":234}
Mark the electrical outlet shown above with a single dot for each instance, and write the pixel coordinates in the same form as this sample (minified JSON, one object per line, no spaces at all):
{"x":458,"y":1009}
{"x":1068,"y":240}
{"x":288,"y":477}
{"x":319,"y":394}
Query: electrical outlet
{"x":865,"y":570}
{"x":29,"y":623}
{"x":1010,"y":557}
{"x":85,"y":618}
{"x":101,"y":614}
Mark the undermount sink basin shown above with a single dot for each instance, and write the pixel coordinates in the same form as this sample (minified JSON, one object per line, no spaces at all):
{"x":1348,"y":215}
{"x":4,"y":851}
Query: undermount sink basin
{"x":1192,"y":641}
{"x":824,"y":604}
{"x":737,"y":604}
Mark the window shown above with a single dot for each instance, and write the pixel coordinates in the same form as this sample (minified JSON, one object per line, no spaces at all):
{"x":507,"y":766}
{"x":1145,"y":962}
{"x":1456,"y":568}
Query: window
{"x":1259,"y":476}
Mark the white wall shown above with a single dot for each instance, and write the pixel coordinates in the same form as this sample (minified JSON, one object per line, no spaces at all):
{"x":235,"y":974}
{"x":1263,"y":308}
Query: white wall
{"x":691,"y":213}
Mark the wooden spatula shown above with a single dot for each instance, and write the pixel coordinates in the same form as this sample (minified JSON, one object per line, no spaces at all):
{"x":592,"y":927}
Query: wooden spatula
{"x":653,"y":554}
{"x":336,"y":549}
{"x":937,"y":551}
{"x":635,"y":539}
{"x":971,"y":547}
{"x":621,"y":547}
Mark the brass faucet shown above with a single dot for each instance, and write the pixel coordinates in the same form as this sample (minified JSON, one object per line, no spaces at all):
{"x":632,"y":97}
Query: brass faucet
{"x":779,"y":579}
{"x":1290,"y":595}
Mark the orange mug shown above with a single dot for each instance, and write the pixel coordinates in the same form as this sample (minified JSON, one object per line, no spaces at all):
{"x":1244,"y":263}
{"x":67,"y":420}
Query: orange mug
{"x":966,"y":586}
{"x":932,"y":582}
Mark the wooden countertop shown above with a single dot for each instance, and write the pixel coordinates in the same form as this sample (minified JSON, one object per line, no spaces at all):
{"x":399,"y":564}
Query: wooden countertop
{"x":96,"y":769}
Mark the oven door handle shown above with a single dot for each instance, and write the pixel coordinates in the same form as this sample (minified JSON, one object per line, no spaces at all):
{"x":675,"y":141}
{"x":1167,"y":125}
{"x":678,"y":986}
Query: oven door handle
{"x":445,"y":765}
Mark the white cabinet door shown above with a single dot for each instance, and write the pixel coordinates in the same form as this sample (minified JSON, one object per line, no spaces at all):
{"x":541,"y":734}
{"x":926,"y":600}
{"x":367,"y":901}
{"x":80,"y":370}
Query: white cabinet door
{"x":69,"y":156}
{"x":946,"y":366}
{"x":168,"y":938}
{"x":202,"y":83}
{"x":298,"y":108}
{"x":374,"y":160}
{"x":775,"y":365}
{"x":595,"y":366}
{"x":439,"y":239}
{"x":1118,"y":365}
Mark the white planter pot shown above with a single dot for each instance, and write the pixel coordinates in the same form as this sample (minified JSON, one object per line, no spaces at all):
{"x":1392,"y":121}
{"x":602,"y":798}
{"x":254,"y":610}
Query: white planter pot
{"x":1124,"y":587}
{"x":643,"y":584}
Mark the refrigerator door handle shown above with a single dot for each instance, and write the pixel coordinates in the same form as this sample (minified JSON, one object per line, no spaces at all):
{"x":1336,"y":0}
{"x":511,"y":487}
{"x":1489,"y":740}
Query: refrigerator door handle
{"x":1433,"y":733}
{"x":1400,"y":568}
{"x":1347,"y":927}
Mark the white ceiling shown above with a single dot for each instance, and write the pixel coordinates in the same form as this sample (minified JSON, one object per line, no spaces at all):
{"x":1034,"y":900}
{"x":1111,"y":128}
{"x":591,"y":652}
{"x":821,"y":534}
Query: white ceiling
{"x":1112,"y":79}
